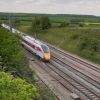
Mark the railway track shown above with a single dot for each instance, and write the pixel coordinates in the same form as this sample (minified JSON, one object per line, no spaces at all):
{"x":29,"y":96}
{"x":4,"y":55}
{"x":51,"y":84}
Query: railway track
{"x":71,"y":82}
{"x":81,"y":77}
{"x":92,"y":80}
{"x":74,"y":58}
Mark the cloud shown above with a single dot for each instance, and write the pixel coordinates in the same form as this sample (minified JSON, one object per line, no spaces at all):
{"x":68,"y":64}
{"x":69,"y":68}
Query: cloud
{"x":51,"y":6}
{"x":26,"y":1}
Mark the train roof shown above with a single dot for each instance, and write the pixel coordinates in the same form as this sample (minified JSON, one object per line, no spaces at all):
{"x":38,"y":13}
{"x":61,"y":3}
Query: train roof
{"x":34,"y":40}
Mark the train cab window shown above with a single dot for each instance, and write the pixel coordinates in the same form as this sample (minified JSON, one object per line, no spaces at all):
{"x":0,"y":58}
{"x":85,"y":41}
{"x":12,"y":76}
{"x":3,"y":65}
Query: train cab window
{"x":45,"y":48}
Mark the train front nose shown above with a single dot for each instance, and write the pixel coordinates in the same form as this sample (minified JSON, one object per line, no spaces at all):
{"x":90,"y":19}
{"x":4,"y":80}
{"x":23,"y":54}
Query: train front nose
{"x":47,"y":56}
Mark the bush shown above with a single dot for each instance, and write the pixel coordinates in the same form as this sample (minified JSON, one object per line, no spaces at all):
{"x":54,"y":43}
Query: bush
{"x":75,"y":36}
{"x":81,"y":24}
{"x":10,"y":51}
{"x":16,"y":88}
{"x":83,"y":45}
{"x":95,"y":45}
{"x":45,"y":22}
{"x":91,"y":44}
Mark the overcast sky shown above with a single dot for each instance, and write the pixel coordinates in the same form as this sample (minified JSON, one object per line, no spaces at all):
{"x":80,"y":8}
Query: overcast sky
{"x":91,"y":7}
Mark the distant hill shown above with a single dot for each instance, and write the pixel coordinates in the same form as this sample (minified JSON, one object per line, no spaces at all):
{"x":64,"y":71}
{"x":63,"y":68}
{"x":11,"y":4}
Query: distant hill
{"x":36,"y":14}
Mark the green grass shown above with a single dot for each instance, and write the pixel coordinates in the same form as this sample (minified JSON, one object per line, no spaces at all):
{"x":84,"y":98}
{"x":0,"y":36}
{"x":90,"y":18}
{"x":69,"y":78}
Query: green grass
{"x":71,"y":40}
{"x":68,"y":18}
{"x":59,"y":19}
{"x":26,"y":23}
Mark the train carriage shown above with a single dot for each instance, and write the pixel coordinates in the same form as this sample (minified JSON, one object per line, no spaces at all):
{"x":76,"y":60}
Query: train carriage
{"x":36,"y":47}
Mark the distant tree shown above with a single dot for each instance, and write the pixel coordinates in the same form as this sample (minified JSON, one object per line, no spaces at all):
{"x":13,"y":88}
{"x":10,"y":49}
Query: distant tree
{"x":40,"y":23}
{"x":81,"y":24}
{"x":64,"y":24}
{"x":16,"y":89}
{"x":45,"y":22}
{"x":36,"y":24}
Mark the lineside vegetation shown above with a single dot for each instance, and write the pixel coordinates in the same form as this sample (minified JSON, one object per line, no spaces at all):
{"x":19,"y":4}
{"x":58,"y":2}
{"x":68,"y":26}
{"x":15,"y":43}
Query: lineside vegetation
{"x":16,"y":89}
{"x":11,"y":61}
{"x":14,"y":72}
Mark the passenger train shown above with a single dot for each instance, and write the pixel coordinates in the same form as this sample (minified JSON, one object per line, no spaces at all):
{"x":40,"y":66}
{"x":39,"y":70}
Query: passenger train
{"x":37,"y":47}
{"x":33,"y":45}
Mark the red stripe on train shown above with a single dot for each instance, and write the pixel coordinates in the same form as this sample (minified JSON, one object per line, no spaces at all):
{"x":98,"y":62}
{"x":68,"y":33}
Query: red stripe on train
{"x":33,"y":46}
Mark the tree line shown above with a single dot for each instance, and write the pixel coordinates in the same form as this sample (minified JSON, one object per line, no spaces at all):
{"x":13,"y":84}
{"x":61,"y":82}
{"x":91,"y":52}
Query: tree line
{"x":39,"y":23}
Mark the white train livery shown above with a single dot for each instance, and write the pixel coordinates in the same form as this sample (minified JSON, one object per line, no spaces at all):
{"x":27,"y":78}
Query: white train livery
{"x":36,"y":47}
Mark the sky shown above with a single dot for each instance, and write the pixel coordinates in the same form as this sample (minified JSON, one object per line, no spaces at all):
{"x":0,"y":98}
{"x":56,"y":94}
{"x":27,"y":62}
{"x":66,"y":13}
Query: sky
{"x":90,"y":7}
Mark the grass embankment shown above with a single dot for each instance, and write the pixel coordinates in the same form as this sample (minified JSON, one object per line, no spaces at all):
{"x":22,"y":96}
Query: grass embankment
{"x":82,"y":41}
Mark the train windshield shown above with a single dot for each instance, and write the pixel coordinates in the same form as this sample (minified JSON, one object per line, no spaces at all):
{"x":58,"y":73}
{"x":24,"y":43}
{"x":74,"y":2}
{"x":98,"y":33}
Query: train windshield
{"x":45,"y":48}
